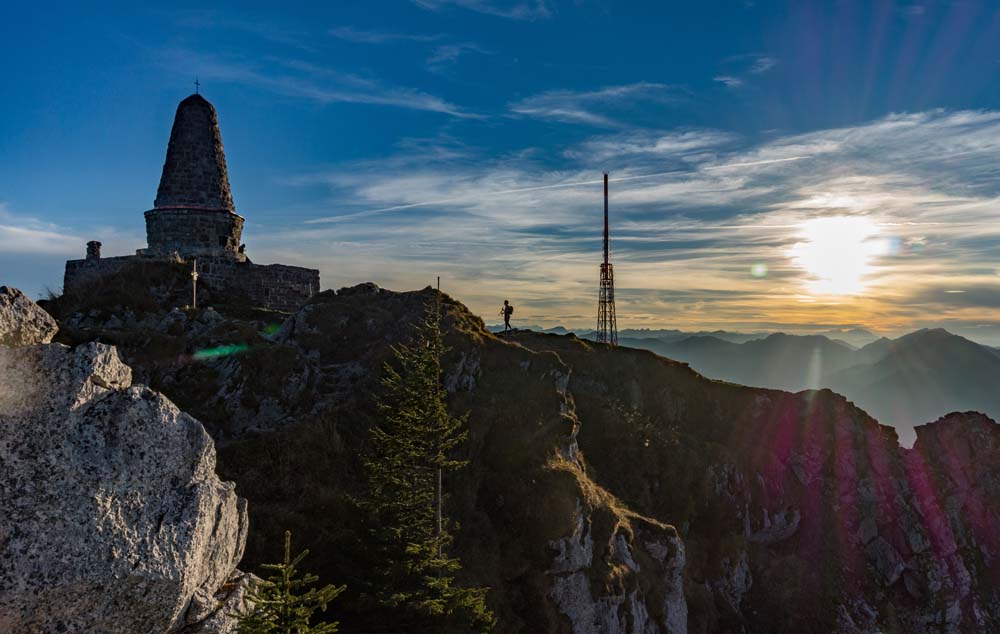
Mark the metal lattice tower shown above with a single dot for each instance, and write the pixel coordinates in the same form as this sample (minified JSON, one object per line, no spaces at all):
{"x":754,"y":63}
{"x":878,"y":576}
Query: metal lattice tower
{"x":607,"y":324}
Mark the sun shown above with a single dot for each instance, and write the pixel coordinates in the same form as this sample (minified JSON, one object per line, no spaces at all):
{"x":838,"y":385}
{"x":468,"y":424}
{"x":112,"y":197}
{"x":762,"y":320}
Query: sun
{"x":838,"y":253}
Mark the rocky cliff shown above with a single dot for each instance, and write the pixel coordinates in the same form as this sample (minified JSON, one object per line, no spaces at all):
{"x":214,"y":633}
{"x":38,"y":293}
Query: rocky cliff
{"x":111,"y":516}
{"x":794,"y":512}
{"x":799,"y":512}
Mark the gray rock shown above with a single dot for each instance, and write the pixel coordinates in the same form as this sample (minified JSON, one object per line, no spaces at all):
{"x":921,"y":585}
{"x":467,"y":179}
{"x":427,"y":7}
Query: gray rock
{"x":217,"y":614}
{"x":111,"y":516}
{"x":22,"y":321}
{"x":885,"y":559}
{"x":619,"y":608}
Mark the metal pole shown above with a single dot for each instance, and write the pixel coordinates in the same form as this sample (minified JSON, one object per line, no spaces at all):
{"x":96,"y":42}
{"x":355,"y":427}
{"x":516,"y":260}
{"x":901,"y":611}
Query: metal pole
{"x":194,"y":283}
{"x":438,"y":492}
{"x":605,"y":217}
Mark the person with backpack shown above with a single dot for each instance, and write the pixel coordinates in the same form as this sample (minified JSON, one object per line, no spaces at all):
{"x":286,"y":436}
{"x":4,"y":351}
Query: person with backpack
{"x":507,"y":310}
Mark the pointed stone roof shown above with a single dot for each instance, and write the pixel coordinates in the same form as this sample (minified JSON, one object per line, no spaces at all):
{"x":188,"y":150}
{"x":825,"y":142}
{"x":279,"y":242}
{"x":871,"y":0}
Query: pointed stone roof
{"x":194,"y":174}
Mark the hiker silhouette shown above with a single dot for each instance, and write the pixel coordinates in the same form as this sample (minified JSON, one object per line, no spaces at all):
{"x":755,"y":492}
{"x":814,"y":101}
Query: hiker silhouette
{"x":507,"y":310}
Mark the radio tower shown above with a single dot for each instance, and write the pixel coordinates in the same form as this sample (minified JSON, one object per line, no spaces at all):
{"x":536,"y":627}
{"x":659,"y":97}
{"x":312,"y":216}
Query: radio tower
{"x":607,"y":325}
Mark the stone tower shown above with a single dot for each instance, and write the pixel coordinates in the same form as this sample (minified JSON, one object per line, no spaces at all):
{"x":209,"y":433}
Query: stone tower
{"x":193,"y":214}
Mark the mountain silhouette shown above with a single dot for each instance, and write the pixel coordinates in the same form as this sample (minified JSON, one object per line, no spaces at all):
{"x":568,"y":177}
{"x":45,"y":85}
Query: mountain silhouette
{"x":788,"y":362}
{"x":922,"y":376}
{"x":901,"y":382}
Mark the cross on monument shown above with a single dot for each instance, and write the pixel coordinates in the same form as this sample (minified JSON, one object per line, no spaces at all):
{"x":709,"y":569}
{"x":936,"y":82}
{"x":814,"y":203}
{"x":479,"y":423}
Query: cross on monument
{"x":194,"y":283}
{"x":197,"y":85}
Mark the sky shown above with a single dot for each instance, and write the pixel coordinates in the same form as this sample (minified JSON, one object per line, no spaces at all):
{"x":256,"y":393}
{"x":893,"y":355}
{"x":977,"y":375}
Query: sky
{"x":793,"y":166}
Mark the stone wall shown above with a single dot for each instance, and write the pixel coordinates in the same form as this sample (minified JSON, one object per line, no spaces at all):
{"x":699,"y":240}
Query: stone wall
{"x":273,"y":286}
{"x":82,"y":273}
{"x":193,"y":232}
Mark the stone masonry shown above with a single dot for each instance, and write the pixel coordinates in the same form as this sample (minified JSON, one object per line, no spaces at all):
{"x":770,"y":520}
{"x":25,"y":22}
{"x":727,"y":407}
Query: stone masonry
{"x":194,"y":173}
{"x":193,"y":213}
{"x":194,"y":219}
{"x":193,"y":232}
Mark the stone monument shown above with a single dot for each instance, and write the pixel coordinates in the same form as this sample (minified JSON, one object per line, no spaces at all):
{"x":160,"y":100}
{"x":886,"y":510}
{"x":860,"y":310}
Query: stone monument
{"x":194,"y":220}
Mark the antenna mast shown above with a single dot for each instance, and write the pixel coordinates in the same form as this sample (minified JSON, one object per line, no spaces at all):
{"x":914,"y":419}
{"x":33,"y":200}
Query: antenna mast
{"x":607,"y":324}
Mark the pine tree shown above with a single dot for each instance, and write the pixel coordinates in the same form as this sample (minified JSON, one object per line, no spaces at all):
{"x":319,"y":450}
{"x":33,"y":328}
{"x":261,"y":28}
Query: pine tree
{"x":282,"y":605}
{"x":410,"y":450}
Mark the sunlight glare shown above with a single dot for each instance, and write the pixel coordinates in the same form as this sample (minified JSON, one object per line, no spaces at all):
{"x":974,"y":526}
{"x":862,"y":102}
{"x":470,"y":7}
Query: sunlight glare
{"x":838,"y":253}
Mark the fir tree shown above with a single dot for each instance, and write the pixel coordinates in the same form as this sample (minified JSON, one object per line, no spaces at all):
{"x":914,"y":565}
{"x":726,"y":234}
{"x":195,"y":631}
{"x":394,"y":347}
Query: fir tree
{"x":282,"y":605}
{"x":411,"y":448}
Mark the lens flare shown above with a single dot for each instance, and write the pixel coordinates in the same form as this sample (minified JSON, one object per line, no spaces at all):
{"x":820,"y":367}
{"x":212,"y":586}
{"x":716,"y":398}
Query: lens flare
{"x":758,"y":269}
{"x":220,"y":351}
{"x":270,"y":329}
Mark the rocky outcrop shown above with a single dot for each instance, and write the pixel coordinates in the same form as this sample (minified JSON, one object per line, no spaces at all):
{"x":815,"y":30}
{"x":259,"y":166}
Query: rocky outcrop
{"x":111,"y":516}
{"x":22,"y":322}
{"x":626,"y":581}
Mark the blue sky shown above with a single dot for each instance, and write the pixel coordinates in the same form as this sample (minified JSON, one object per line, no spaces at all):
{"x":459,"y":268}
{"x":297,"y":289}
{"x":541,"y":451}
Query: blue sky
{"x":397,"y":141}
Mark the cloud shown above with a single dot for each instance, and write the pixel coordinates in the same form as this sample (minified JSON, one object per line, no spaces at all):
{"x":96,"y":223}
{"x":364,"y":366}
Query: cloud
{"x":446,"y":55}
{"x":596,"y":107}
{"x":517,"y":10}
{"x":642,"y":145}
{"x":352,"y":34}
{"x":684,"y":239}
{"x":30,"y":235}
{"x":23,"y":234}
{"x":728,"y":80}
{"x":762,"y":64}
{"x":303,"y":80}
{"x":741,"y":67}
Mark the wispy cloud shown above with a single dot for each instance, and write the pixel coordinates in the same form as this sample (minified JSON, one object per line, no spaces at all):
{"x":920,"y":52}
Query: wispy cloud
{"x":352,"y":34}
{"x":27,"y":235}
{"x":446,"y":55}
{"x":516,"y":10}
{"x":598,"y":107}
{"x":304,"y":80}
{"x":30,"y":235}
{"x":624,"y":147}
{"x":762,"y":64}
{"x":685,"y":239}
{"x":728,"y":80}
{"x":741,"y":67}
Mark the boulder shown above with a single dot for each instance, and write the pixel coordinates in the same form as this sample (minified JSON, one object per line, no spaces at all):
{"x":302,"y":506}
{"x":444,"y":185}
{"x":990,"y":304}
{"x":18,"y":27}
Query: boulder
{"x":112,"y":518}
{"x":22,"y":321}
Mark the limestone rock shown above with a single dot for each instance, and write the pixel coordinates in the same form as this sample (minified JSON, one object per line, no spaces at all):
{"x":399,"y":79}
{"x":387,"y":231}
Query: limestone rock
{"x":624,"y":606}
{"x":22,"y":321}
{"x":111,"y":516}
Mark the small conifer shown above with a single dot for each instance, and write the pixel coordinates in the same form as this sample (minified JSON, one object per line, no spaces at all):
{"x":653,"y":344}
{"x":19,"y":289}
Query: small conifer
{"x":281,"y":604}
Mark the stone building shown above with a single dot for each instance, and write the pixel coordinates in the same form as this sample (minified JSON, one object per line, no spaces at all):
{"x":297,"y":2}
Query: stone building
{"x":193,"y":219}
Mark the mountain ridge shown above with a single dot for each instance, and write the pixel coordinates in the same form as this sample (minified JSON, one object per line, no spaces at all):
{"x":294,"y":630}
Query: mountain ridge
{"x":581,"y":454}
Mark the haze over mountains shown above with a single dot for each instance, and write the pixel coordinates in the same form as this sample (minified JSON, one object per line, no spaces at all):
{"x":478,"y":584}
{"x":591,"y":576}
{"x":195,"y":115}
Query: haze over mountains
{"x":856,"y":337}
{"x":902,"y":382}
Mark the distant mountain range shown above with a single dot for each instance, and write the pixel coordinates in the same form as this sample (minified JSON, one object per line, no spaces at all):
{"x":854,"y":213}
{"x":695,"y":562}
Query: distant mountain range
{"x":902,"y":382}
{"x":854,"y":337}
